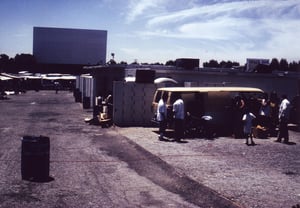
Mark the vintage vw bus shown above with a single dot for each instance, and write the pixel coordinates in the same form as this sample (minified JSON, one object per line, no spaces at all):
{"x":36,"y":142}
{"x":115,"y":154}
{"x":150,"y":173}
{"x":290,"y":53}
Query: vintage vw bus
{"x":217,"y":103}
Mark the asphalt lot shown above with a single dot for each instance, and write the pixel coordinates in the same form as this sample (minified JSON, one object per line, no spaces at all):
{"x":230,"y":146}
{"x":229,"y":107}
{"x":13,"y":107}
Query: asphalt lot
{"x":128,"y":167}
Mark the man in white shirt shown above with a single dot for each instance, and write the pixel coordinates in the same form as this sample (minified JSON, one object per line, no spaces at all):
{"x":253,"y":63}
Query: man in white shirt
{"x":161,"y":115}
{"x":178,"y":110}
{"x":283,"y":115}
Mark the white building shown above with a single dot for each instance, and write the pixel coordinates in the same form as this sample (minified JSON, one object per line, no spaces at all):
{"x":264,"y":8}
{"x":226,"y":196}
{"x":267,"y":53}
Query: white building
{"x":69,"y":46}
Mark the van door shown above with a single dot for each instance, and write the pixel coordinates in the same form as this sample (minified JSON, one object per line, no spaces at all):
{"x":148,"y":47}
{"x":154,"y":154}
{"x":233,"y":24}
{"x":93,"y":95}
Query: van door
{"x":217,"y":106}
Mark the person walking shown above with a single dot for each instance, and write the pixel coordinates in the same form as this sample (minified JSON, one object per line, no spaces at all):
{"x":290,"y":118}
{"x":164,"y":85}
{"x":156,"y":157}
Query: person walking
{"x":161,"y":115}
{"x":178,"y":110}
{"x":283,"y":116}
{"x":248,"y":118}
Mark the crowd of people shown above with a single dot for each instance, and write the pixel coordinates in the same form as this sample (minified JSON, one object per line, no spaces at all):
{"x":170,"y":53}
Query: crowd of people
{"x":271,"y":116}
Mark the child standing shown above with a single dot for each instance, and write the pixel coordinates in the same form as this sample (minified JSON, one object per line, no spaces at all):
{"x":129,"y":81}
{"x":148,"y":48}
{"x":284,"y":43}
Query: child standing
{"x":248,"y":118}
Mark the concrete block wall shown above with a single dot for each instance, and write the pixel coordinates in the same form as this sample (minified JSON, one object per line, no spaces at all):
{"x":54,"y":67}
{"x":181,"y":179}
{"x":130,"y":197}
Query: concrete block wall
{"x":132,"y":103}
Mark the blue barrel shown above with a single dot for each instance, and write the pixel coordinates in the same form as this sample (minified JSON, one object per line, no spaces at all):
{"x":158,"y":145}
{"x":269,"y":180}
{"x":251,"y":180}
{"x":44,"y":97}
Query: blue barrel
{"x":35,"y":158}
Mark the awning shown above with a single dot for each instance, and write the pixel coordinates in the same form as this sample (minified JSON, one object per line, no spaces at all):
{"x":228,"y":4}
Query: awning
{"x":3,"y":78}
{"x":59,"y":77}
{"x":10,"y":76}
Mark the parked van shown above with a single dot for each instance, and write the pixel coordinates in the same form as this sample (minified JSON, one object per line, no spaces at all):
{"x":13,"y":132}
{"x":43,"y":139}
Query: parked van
{"x":218,"y":104}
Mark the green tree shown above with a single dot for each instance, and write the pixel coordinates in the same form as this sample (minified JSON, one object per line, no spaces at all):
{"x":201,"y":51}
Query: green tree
{"x":170,"y":63}
{"x":283,"y":65}
{"x":25,"y":60}
{"x":294,"y":66}
{"x":213,"y":63}
{"x":123,"y":62}
{"x":235,"y":63}
{"x":4,"y":58}
{"x":111,"y":62}
{"x":226,"y":64}
{"x":223,"y":64}
{"x":4,"y":62}
{"x":274,"y":65}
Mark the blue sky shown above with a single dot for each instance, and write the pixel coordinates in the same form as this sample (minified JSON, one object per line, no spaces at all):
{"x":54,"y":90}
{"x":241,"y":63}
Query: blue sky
{"x":161,"y":30}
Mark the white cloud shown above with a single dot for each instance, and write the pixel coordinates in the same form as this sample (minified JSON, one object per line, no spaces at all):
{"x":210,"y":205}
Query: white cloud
{"x":130,"y":51}
{"x":137,"y":8}
{"x":251,"y":23}
{"x":218,"y":29}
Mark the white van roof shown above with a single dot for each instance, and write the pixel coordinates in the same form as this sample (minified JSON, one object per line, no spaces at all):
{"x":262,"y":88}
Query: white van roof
{"x":210,"y":89}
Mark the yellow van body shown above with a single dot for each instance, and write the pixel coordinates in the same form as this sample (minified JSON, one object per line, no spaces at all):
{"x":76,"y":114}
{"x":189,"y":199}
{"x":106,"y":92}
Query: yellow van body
{"x":217,"y":102}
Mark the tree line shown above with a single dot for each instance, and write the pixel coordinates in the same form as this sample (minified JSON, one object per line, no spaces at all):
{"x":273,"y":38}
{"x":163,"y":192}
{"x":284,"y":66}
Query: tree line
{"x":28,"y":61}
{"x":275,"y":65}
{"x":20,"y":62}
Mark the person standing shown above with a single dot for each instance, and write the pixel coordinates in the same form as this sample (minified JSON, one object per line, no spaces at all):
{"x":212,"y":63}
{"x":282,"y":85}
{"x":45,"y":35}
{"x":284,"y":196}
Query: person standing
{"x":274,"y":108}
{"x":161,"y":115}
{"x":264,"y":114}
{"x":248,"y":118}
{"x":283,"y":116}
{"x":56,"y":86}
{"x":178,"y":110}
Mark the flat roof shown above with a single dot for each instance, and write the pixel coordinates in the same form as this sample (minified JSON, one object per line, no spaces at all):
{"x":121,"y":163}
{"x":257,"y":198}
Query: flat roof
{"x":210,"y":89}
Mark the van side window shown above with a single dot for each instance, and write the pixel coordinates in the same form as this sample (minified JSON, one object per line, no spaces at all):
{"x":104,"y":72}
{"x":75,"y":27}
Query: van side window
{"x":217,"y":101}
{"x":173,"y":97}
{"x":158,"y":96}
{"x":195,"y":104}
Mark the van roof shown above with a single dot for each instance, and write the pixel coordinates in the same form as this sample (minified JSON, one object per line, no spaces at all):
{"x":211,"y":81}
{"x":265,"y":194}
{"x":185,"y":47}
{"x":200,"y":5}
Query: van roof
{"x":210,"y":89}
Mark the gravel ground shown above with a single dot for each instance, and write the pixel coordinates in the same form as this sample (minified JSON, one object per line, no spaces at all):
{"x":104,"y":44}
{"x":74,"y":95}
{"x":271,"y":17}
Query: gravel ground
{"x":264,"y":175}
{"x":90,"y":166}
{"x":114,"y":167}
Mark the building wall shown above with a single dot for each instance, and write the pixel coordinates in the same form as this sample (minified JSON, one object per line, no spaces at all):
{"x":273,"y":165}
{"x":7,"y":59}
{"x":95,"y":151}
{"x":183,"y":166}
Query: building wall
{"x":132,"y":103}
{"x":69,"y":46}
{"x":104,"y":78}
